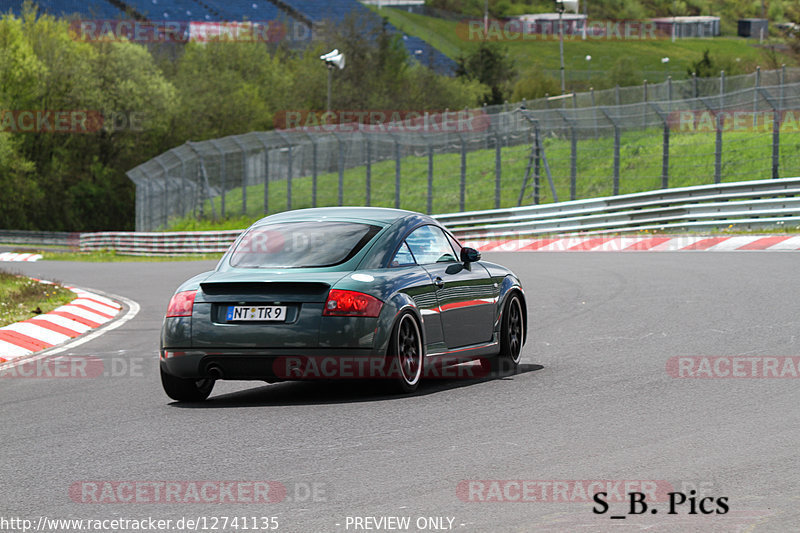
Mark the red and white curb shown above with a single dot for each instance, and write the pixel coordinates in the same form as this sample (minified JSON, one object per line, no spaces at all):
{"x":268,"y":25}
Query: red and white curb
{"x":84,"y":313}
{"x":649,"y":243}
{"x":14,"y":256}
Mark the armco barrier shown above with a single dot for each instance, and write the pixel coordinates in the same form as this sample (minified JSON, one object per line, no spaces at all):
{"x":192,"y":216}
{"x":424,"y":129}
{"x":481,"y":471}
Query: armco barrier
{"x":744,"y":205}
{"x":49,"y":238}
{"x":159,"y":243}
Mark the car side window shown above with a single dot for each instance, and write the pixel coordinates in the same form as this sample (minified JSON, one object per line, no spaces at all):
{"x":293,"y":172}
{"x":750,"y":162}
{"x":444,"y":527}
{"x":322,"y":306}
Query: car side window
{"x":429,"y":245}
{"x":456,"y":246}
{"x":403,"y":257}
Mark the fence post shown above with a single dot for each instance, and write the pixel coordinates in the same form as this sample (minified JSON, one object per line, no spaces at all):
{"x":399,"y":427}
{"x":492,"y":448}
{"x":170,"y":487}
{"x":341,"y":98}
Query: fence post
{"x":150,"y":225}
{"x":290,"y":158}
{"x":463,"y":184}
{"x":183,"y":195}
{"x":616,"y":94}
{"x":616,"y":150}
{"x":289,"y":155}
{"x":183,"y":187}
{"x":783,"y":81}
{"x":313,"y":170}
{"x":573,"y":156}
{"x":266,"y":173}
{"x":718,"y":122}
{"x":340,"y":197}
{"x":430,"y":177}
{"x":644,"y":108}
{"x":694,"y":85}
{"x":223,"y":178}
{"x":537,"y":169}
{"x":594,"y":111}
{"x":776,"y":132}
{"x":166,"y":191}
{"x":669,"y":94}
{"x":369,"y":172}
{"x":755,"y":97}
{"x":396,"y":172}
{"x":665,"y":146}
{"x":244,"y":173}
{"x":721,"y":83}
{"x":497,"y":170}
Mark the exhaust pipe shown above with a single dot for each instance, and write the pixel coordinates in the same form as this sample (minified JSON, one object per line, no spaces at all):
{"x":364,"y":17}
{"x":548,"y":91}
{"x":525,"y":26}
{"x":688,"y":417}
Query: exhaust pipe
{"x":214,"y":372}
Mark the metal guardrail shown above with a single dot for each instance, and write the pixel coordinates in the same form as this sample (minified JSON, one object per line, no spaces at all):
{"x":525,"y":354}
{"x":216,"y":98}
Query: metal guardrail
{"x":747,"y":204}
{"x":49,"y":238}
{"x":159,"y":243}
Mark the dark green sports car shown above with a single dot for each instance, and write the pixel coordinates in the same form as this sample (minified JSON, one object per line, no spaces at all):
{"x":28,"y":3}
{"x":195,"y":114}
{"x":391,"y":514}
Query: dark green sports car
{"x":341,"y":292}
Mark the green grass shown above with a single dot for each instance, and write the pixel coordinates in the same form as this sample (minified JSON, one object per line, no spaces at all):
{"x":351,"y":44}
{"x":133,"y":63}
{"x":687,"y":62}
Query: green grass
{"x":746,"y":156}
{"x":449,"y":38}
{"x":22,"y":298}
{"x":110,"y":256}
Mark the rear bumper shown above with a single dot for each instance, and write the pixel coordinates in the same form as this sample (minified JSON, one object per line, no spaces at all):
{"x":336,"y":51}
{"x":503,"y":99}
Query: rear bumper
{"x":265,"y":364}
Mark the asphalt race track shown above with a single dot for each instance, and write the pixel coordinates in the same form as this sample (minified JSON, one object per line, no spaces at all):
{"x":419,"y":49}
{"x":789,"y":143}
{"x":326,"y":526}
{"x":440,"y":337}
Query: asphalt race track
{"x":594,"y":401}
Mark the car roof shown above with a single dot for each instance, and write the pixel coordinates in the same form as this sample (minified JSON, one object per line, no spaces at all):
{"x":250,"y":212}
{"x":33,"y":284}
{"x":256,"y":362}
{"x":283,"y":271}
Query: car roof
{"x":381,"y":215}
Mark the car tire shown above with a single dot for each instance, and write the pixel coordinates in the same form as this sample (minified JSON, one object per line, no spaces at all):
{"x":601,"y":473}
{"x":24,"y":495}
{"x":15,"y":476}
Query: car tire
{"x":186,"y":390}
{"x":512,"y":329}
{"x":406,"y":355}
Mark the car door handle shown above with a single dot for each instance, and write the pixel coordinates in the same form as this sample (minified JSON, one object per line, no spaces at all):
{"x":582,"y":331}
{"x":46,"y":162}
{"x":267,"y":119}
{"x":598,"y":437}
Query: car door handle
{"x":438,"y":282}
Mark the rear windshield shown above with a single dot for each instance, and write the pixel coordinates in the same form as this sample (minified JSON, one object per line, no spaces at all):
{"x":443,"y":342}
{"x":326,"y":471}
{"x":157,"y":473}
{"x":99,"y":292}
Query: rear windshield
{"x":301,"y":244}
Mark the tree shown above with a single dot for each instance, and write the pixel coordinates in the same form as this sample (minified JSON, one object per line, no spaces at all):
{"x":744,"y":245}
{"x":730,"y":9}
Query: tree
{"x":490,"y":65}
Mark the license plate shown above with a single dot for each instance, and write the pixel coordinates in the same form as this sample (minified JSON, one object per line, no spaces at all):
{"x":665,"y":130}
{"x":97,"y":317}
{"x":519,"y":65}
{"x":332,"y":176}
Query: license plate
{"x":256,"y":313}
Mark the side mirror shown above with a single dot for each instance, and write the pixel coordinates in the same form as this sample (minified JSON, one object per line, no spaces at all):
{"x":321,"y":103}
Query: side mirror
{"x":470,"y":255}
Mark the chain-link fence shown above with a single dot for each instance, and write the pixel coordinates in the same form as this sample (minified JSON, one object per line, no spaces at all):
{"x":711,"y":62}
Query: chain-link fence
{"x":579,"y":146}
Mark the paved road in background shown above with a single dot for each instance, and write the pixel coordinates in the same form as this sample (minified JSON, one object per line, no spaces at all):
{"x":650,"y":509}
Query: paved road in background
{"x":593,"y":402}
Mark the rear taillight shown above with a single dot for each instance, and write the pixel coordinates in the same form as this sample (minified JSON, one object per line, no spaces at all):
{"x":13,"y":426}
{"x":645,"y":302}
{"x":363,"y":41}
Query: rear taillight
{"x":181,"y":304}
{"x":351,"y":303}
